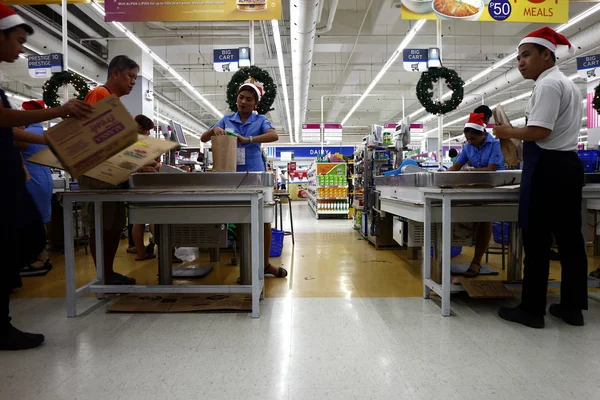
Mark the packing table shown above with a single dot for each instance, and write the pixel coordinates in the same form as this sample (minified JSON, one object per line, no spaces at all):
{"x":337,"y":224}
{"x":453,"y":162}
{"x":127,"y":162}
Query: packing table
{"x":165,"y":207}
{"x":441,"y":207}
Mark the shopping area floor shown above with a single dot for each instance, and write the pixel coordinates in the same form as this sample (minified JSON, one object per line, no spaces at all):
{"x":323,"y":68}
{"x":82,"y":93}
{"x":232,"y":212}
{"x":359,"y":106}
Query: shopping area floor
{"x":348,"y":323}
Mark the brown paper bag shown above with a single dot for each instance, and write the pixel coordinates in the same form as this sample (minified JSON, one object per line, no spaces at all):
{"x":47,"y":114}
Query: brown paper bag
{"x":512,"y":149}
{"x":224,"y":150}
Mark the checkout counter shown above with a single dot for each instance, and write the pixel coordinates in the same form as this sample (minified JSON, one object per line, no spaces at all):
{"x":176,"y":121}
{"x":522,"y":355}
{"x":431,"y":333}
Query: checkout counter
{"x":178,"y":203}
{"x":427,"y":204}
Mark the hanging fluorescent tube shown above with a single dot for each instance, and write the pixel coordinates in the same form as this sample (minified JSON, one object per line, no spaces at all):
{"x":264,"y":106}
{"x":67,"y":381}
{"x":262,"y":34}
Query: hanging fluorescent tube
{"x":160,"y":61}
{"x":409,"y":36}
{"x":286,"y":99}
{"x":512,"y":56}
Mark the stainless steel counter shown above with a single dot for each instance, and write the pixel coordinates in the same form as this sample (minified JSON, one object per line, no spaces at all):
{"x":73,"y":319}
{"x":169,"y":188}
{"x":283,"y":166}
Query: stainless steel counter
{"x":450,"y":179}
{"x":193,"y":206}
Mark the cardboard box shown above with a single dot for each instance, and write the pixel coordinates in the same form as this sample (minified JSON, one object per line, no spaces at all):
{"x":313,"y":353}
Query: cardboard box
{"x":105,"y":146}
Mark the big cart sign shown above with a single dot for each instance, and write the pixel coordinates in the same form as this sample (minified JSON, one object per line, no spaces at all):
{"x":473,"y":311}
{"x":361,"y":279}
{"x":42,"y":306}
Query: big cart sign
{"x":538,"y":11}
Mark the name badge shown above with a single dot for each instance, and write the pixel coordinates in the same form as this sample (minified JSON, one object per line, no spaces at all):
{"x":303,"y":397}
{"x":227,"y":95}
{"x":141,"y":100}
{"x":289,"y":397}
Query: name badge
{"x":241,"y":156}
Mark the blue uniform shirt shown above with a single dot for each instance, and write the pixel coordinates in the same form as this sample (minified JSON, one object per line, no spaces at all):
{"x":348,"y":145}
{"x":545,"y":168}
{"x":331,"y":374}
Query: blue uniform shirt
{"x":255,"y":125}
{"x":489,"y":153}
{"x":40,"y":185}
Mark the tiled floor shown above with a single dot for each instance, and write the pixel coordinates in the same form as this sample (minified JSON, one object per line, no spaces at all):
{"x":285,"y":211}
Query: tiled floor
{"x":351,"y":343}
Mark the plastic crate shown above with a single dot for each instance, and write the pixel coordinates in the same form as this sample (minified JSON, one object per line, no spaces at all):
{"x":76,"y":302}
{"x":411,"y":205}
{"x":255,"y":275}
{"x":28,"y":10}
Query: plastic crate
{"x":589,"y":160}
{"x":497,"y":232}
{"x":454,"y":251}
{"x":276,"y":243}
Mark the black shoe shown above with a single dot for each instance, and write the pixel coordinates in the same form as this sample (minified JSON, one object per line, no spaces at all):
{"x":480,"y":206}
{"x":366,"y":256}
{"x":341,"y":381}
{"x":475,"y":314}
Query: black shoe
{"x":14,"y":339}
{"x":519,"y":316}
{"x":570,"y":316}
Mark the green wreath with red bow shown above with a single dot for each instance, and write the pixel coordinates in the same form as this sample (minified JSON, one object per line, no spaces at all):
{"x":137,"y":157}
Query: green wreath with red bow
{"x":596,"y":99}
{"x":60,"y":79}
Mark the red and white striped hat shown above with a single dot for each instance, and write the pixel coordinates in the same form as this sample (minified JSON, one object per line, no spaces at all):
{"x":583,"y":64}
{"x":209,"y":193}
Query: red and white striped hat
{"x":257,"y":89}
{"x":548,"y":38}
{"x":476,"y":122}
{"x":9,"y":19}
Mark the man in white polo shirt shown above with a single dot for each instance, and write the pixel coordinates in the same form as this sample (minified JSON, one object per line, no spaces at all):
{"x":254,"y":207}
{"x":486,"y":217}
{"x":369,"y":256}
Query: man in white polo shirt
{"x":551,"y":185}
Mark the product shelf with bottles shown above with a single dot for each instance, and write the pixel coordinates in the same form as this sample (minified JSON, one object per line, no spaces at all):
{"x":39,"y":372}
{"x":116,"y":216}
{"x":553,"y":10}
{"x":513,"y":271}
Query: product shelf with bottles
{"x":328,"y":190}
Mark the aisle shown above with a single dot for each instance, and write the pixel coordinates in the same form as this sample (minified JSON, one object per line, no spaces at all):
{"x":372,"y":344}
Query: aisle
{"x":347,"y":343}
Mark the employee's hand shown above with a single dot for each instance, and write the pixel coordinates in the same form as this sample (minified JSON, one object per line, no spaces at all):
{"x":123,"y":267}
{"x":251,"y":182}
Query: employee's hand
{"x":148,"y":169}
{"x":76,"y":108}
{"x":218,"y":131}
{"x":242,"y":139}
{"x":502,"y":131}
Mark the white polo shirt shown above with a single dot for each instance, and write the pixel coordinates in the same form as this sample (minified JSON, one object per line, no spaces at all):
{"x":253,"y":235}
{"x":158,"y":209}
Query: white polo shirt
{"x":555,"y":104}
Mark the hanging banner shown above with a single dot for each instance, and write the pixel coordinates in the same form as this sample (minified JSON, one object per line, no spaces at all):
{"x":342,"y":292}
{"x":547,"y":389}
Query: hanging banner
{"x":332,"y":133}
{"x":162,"y":10}
{"x":538,"y":11}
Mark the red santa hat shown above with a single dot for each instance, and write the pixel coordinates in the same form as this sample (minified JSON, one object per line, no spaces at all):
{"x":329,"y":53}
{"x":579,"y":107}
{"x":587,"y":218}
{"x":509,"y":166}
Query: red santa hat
{"x":548,"y":38}
{"x":33,"y":105}
{"x":476,"y":122}
{"x":252,"y":86}
{"x":9,"y":19}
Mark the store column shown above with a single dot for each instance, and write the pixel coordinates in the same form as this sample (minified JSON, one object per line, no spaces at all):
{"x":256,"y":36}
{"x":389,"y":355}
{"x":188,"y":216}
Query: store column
{"x":140,"y":100}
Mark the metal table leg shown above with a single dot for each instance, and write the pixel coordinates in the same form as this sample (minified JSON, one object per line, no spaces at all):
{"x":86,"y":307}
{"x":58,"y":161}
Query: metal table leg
{"x":447,"y":243}
{"x":291,"y":220}
{"x":165,"y":266}
{"x":245,"y":254}
{"x":515,"y":253}
{"x":256,"y":213}
{"x":69,"y":247}
{"x":99,"y":221}
{"x":427,"y":248}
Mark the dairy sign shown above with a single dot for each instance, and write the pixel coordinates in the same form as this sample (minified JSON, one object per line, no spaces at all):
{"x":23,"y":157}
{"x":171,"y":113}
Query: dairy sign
{"x":588,"y":67}
{"x":530,"y":11}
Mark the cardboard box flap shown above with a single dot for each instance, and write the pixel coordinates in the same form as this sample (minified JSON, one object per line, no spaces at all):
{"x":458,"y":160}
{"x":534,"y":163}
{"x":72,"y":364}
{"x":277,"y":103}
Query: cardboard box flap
{"x":82,"y":144}
{"x":119,"y":167}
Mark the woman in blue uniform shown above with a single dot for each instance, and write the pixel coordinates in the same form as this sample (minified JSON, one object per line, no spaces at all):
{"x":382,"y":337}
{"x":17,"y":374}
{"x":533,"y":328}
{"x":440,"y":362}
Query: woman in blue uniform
{"x":39,"y":187}
{"x":21,"y":232}
{"x":252,"y":129}
{"x":483,"y":153}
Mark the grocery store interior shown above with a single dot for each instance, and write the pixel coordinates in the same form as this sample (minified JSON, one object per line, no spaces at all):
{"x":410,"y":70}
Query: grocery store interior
{"x":371,"y":301}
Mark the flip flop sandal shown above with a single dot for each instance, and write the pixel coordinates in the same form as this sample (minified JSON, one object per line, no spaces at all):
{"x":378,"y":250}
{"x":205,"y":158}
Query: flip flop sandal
{"x":32,"y":270}
{"x":471,"y":273}
{"x":148,"y":257}
{"x":281,"y":272}
{"x":120,"y":279}
{"x":131,"y":250}
{"x":176,"y":260}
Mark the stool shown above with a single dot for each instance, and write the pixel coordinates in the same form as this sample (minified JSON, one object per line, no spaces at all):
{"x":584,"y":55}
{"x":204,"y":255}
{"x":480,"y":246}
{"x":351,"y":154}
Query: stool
{"x":279,"y":212}
{"x":503,"y":250}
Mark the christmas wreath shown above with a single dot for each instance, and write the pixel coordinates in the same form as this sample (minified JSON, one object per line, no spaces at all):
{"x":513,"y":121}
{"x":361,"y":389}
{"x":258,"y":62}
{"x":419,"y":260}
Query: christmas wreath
{"x":596,"y":100}
{"x":256,"y":74}
{"x":60,"y":79}
{"x":425,"y":90}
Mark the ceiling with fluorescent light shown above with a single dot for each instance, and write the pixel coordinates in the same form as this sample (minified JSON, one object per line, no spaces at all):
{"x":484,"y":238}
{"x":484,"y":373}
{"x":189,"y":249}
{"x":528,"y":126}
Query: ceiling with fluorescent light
{"x":345,"y":59}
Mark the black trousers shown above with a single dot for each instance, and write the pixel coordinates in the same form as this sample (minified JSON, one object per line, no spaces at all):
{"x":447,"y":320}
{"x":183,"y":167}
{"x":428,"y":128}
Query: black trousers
{"x":555,"y":209}
{"x":22,"y":237}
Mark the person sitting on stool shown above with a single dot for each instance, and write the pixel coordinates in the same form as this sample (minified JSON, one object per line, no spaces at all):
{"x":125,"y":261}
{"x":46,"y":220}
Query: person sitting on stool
{"x":483,"y":152}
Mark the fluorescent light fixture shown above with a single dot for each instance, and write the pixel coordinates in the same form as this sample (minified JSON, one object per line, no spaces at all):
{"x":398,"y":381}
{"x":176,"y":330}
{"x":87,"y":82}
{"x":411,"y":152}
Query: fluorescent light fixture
{"x":160,"y":61}
{"x":512,"y":56}
{"x":409,"y":36}
{"x":286,"y":97}
{"x":16,"y":96}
